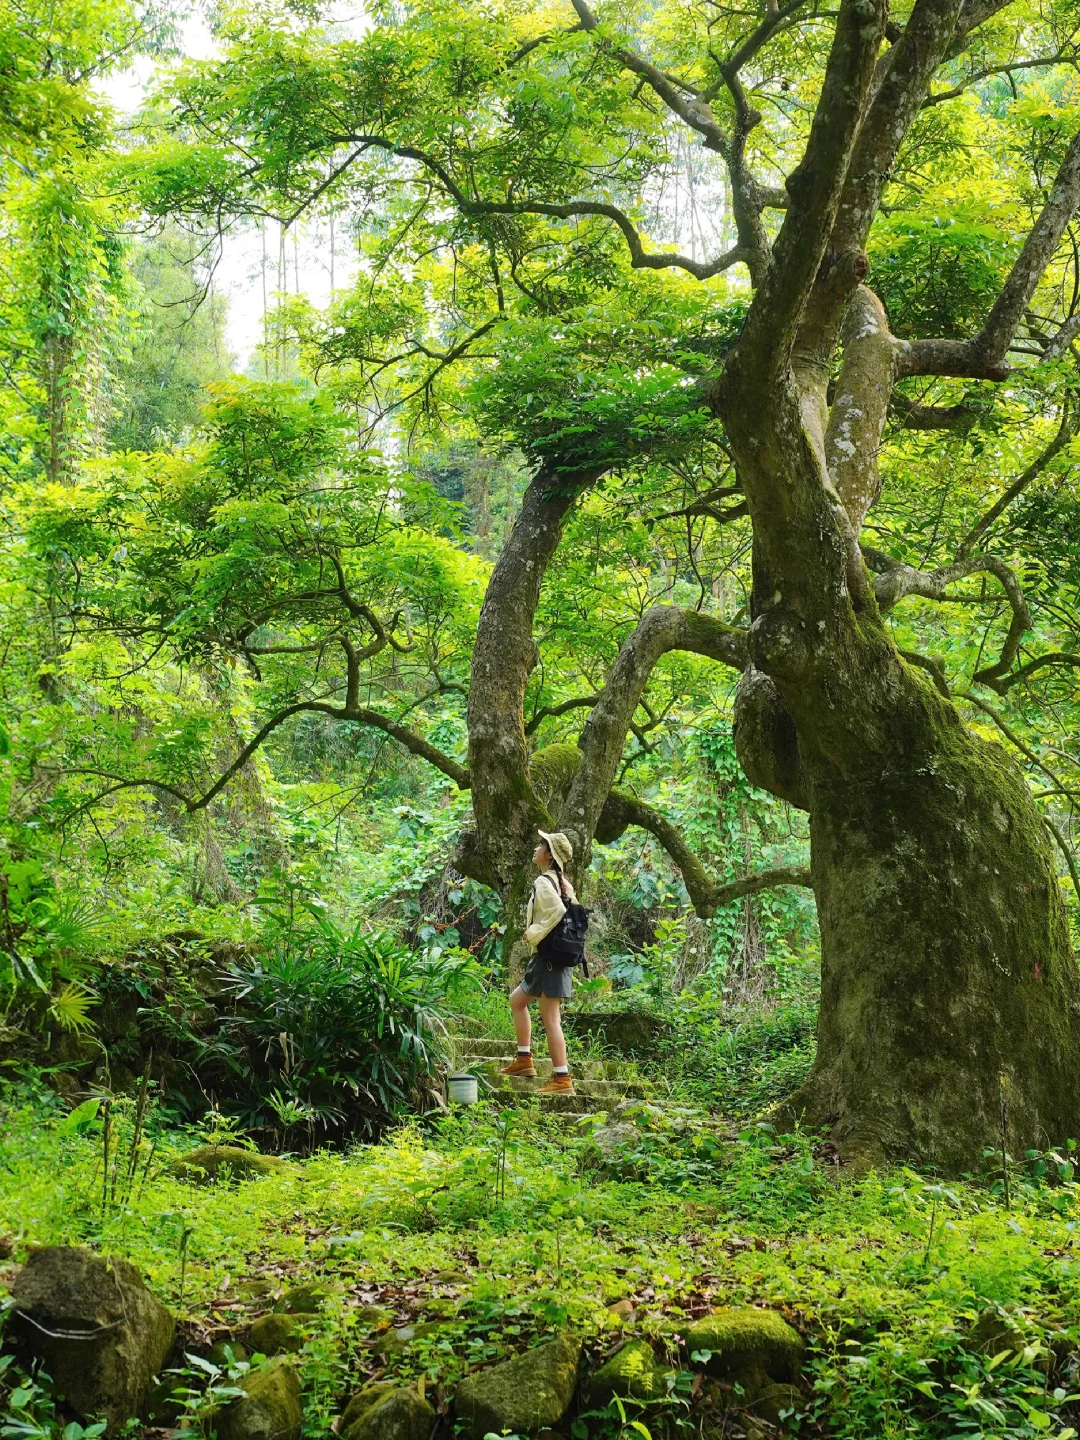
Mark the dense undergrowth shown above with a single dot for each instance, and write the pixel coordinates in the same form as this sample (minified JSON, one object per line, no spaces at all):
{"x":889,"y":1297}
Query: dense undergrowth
{"x":931,"y":1310}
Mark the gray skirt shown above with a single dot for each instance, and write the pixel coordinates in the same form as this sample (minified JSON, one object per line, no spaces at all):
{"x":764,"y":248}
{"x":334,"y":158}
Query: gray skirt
{"x":543,"y":978}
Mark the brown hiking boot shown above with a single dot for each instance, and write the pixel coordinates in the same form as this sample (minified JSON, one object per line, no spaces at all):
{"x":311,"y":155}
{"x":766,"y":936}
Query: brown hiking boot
{"x":522,"y":1065}
{"x":558,"y":1085}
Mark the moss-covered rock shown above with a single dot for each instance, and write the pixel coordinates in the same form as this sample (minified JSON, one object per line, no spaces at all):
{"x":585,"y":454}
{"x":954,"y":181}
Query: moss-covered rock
{"x":372,"y":1317}
{"x":220,"y":1353}
{"x":610,"y":1152}
{"x":387,"y":1412}
{"x":397,"y":1341}
{"x":992,"y":1333}
{"x":99,"y":1333}
{"x":774,"y":1401}
{"x":632,"y":1032}
{"x":269,"y":1409}
{"x":632,"y":1372}
{"x":276,"y":1334}
{"x":363,"y":1401}
{"x":529,"y":1393}
{"x":747,"y":1345}
{"x":204,"y":1163}
{"x":305,"y":1299}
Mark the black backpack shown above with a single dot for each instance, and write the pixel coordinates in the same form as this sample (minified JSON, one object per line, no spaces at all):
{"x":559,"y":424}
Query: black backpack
{"x":564,"y":946}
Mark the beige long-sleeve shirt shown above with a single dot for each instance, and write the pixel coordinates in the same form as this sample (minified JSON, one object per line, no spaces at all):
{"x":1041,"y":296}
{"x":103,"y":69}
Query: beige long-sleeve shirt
{"x":546,"y":907}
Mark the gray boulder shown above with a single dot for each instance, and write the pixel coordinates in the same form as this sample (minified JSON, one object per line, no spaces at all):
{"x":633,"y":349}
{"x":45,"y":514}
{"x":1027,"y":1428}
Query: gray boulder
{"x":615,"y":1150}
{"x":269,"y":1409}
{"x":98,"y":1331}
{"x":385,"y":1411}
{"x":529,"y":1393}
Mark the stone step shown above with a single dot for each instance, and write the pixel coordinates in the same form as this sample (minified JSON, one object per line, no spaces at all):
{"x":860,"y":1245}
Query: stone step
{"x":489,"y":1072}
{"x":485,"y":1045}
{"x":603,"y":1092}
{"x":586,"y":1069}
{"x":577,"y":1105}
{"x":599,"y":1085}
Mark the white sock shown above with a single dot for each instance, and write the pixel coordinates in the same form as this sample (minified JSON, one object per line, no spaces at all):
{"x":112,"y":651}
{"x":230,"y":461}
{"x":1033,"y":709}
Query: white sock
{"x":524,"y":1049}
{"x":560,"y":1069}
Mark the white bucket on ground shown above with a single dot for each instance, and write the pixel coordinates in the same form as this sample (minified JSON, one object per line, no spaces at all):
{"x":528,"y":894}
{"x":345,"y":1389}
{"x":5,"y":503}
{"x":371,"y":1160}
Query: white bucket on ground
{"x":461,"y":1089}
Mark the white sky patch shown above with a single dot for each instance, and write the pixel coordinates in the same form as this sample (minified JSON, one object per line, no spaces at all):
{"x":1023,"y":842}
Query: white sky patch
{"x":254,"y":264}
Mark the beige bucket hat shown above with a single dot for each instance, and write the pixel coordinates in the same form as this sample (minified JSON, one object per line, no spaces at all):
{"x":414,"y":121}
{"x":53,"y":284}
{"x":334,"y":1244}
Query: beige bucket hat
{"x":559,"y":846}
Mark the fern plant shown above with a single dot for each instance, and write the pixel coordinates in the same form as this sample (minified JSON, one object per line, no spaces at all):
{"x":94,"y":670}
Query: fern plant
{"x":46,"y":944}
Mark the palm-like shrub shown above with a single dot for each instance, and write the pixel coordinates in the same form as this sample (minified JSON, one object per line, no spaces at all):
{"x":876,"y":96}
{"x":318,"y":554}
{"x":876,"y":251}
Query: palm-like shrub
{"x":329,"y":1031}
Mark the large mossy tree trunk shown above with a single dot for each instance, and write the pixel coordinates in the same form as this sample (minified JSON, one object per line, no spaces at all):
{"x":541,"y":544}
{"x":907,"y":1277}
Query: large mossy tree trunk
{"x":948,"y":978}
{"x":948,"y":983}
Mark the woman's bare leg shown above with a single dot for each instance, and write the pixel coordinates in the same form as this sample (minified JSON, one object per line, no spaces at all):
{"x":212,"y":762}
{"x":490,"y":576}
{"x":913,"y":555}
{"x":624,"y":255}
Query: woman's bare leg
{"x":519,"y":1009}
{"x":552,"y":1018}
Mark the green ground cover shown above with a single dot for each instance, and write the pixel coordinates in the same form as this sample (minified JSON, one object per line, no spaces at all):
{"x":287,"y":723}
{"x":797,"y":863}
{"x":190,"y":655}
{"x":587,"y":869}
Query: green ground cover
{"x":930,"y":1309}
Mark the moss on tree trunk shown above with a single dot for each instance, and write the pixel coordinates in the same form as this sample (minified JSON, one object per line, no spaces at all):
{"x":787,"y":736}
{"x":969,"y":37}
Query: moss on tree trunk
{"x":948,"y":978}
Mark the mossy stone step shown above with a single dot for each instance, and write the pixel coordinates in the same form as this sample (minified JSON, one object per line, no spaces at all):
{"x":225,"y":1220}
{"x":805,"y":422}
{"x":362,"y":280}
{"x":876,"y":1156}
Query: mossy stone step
{"x":501,"y":1052}
{"x":485,"y":1045}
{"x":602,"y":1092}
{"x":489,"y":1067}
{"x":598,"y":1084}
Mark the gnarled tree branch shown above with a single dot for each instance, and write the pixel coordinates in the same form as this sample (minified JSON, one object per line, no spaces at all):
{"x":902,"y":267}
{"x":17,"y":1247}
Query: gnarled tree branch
{"x":896,"y":581}
{"x":901,"y":80}
{"x":563,"y":707}
{"x":815,"y":187}
{"x":504,"y":655}
{"x":707,"y":895}
{"x":661,"y":629}
{"x":914,"y":416}
{"x":360,"y":715}
{"x":1041,"y":662}
{"x":640,"y":258}
{"x":984,"y":355}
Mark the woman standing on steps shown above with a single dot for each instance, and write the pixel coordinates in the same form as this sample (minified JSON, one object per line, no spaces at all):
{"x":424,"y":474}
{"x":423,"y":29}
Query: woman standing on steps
{"x":543,"y":981}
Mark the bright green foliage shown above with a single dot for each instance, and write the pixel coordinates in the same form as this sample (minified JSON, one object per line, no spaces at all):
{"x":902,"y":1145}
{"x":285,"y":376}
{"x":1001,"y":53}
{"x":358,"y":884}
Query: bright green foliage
{"x":64,"y":294}
{"x":227,"y":552}
{"x":886,"y":1278}
{"x":160,"y":609}
{"x":361,"y":1018}
{"x":939,"y":273}
{"x":180,"y":345}
{"x":614,"y":380}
